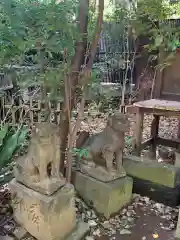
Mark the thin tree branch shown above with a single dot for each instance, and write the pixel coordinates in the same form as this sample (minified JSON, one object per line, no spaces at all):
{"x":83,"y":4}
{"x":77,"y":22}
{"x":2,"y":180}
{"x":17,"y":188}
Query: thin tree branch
{"x":85,"y":76}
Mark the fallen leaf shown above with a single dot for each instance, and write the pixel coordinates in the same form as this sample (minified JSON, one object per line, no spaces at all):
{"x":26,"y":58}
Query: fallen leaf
{"x":155,"y":236}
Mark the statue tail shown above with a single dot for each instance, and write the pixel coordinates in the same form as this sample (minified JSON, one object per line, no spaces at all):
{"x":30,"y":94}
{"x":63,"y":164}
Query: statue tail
{"x":81,"y":139}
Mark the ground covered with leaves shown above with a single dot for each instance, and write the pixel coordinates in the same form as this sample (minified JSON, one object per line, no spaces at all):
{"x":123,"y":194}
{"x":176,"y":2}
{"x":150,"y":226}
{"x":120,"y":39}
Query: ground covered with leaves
{"x":142,"y":219}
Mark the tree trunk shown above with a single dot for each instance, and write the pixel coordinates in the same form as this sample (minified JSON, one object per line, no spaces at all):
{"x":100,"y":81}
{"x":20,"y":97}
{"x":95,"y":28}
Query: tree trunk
{"x":74,"y":79}
{"x":77,"y":61}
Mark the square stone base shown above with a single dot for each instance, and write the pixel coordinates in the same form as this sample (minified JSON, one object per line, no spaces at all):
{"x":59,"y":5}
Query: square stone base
{"x":107,"y":198}
{"x":79,"y":232}
{"x":44,"y":217}
{"x":159,"y":181}
{"x":160,"y":173}
{"x":47,"y":186}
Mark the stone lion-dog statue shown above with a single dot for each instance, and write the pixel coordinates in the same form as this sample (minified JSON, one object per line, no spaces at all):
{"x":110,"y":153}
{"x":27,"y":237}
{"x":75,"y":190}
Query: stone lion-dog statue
{"x":39,"y":169}
{"x":105,"y":149}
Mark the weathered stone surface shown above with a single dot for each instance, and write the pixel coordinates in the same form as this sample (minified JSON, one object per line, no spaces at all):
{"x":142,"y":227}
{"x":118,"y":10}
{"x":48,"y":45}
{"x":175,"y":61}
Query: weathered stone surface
{"x":44,"y":217}
{"x":163,"y":174}
{"x":177,"y":234}
{"x":39,"y":168}
{"x":6,"y":238}
{"x":104,"y":149}
{"x":79,"y":232}
{"x":177,"y":161}
{"x":107,"y":198}
{"x":19,"y":232}
{"x":157,"y":192}
{"x":101,"y":173}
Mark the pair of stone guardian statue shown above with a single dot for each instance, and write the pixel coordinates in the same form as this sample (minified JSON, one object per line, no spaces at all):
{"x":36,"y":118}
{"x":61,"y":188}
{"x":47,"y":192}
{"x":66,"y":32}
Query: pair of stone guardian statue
{"x":39,"y":169}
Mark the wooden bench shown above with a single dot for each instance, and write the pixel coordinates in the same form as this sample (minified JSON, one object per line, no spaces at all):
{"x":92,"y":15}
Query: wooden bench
{"x":157,"y":108}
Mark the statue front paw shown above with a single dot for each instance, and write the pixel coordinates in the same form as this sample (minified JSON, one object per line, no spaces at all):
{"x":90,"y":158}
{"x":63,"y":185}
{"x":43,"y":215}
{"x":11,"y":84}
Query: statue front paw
{"x":121,"y":171}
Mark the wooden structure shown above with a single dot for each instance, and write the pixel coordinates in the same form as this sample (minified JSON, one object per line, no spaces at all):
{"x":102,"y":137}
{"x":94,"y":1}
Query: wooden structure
{"x":30,"y":112}
{"x":165,"y":102}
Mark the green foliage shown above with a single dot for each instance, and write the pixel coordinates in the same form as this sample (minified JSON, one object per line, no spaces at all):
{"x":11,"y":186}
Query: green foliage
{"x":34,"y":24}
{"x":44,"y":26}
{"x":149,"y":19}
{"x":11,"y":141}
{"x":80,"y":152}
{"x":128,"y":140}
{"x":92,"y":18}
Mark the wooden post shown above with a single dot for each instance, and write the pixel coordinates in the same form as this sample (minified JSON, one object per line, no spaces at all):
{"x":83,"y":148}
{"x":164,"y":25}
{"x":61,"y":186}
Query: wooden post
{"x":154,"y":134}
{"x":138,"y":132}
{"x":178,"y":133}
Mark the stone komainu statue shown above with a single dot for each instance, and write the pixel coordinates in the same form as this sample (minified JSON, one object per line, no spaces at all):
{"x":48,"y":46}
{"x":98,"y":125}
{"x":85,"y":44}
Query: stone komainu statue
{"x":105,"y":150}
{"x":39,"y":169}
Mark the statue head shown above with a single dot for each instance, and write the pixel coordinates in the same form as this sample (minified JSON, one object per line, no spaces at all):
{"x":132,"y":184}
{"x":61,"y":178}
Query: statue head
{"x":119,"y":122}
{"x":43,"y":132}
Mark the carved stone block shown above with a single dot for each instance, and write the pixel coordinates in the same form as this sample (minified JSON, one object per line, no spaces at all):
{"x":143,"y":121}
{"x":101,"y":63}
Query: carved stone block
{"x":101,"y":174}
{"x":163,"y":174}
{"x":107,"y":198}
{"x":44,"y":217}
{"x":39,"y":168}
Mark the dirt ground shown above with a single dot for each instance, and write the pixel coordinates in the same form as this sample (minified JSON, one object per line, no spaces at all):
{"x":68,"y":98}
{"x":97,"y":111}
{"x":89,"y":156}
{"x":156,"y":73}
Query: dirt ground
{"x":148,"y":227}
{"x":143,"y":219}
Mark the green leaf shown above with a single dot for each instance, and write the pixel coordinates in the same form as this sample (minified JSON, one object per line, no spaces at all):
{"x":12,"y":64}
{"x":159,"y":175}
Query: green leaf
{"x":158,"y":40}
{"x":8,"y":149}
{"x":22,"y":136}
{"x":76,"y":150}
{"x":128,"y":140}
{"x":83,"y":153}
{"x":3,"y":133}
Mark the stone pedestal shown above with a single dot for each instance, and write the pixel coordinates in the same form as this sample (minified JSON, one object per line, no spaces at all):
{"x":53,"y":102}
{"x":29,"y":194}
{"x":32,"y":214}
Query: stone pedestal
{"x":163,"y":174}
{"x":46,"y":217}
{"x":43,"y":203}
{"x":159,"y":181}
{"x":47,"y":186}
{"x":107,"y":198}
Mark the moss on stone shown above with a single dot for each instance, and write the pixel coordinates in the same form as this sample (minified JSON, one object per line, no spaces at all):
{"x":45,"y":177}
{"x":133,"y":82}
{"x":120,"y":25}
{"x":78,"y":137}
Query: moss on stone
{"x":107,"y":198}
{"x":164,"y":174}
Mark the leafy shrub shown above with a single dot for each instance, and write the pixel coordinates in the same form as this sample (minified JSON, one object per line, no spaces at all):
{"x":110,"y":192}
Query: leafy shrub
{"x":11,"y":140}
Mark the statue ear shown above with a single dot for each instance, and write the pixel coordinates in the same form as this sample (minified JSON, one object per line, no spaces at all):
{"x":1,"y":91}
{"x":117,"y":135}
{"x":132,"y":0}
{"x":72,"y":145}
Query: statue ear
{"x":33,"y":129}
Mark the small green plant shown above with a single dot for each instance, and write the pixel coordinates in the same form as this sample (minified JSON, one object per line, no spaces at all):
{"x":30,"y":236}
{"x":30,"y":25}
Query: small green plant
{"x":80,"y":152}
{"x":128,"y":140}
{"x":11,"y":140}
